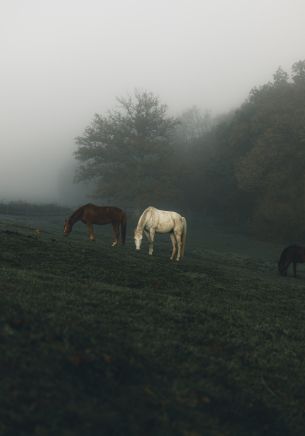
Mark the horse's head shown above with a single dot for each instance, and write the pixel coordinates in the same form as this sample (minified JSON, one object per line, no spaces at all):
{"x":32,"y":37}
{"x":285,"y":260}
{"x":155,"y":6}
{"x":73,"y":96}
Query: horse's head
{"x":67,"y":227}
{"x":138,"y":239}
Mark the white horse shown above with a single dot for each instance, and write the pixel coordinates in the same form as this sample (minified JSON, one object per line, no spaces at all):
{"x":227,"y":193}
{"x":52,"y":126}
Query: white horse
{"x":154,"y":220}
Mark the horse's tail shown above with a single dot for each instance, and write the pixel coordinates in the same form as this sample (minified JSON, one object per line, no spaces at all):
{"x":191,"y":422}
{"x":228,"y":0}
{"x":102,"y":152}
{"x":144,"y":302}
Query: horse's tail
{"x":123,"y":227}
{"x":183,"y":236}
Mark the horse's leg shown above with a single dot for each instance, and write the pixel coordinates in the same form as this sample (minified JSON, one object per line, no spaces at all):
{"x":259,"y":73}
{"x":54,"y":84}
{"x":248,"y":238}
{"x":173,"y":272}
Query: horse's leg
{"x":115,"y":228}
{"x":147,"y":235}
{"x":173,"y":239}
{"x":90,"y":232}
{"x":177,"y":235}
{"x":294,"y":269}
{"x":117,"y":232}
{"x":285,"y":268}
{"x":151,"y":241}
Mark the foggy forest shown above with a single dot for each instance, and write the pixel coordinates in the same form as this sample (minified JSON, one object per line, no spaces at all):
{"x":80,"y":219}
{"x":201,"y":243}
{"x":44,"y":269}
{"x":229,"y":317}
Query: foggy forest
{"x":233,"y":169}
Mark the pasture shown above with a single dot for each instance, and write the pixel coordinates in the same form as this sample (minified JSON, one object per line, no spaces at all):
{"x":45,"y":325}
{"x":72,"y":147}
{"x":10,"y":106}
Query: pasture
{"x":98,"y":340}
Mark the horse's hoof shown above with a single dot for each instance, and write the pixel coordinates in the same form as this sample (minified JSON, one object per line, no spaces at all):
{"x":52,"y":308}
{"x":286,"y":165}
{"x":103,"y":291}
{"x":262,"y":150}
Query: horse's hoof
{"x":114,"y":244}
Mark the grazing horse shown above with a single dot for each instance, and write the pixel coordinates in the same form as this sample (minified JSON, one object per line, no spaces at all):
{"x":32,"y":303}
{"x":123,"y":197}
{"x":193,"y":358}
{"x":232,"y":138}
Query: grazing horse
{"x":90,"y":214}
{"x":293,"y":254}
{"x":154,"y":221}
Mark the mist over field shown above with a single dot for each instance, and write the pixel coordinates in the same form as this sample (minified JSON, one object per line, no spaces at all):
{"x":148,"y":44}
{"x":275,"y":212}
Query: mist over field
{"x":64,"y":61}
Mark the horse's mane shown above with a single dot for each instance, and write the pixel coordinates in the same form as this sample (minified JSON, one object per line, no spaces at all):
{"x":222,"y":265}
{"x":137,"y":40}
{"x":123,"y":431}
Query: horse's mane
{"x":78,"y":212}
{"x":142,"y":219}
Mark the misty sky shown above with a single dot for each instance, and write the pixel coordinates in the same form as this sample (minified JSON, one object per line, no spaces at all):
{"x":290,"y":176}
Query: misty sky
{"x":64,"y":60}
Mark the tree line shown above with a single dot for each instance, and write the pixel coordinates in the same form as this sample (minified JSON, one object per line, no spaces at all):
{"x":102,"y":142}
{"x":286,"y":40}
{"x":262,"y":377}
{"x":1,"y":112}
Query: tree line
{"x":246,"y":167}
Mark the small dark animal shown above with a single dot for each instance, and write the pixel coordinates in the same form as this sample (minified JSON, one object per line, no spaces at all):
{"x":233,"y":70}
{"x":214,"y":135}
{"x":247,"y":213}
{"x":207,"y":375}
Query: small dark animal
{"x":293,"y":254}
{"x":90,"y":214}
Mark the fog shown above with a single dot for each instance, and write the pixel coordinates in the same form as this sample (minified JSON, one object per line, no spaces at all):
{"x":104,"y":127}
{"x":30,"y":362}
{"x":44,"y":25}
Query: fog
{"x":63,"y":61}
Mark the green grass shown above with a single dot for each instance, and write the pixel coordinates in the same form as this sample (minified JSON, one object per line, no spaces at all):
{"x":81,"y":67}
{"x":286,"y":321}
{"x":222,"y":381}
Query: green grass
{"x":101,"y":340}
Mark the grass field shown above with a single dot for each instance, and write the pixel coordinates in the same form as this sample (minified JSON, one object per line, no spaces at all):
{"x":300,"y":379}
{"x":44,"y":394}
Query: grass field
{"x":106,"y":341}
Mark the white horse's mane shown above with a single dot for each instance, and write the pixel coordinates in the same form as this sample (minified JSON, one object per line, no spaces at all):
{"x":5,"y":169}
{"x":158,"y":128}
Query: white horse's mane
{"x":143,"y":217}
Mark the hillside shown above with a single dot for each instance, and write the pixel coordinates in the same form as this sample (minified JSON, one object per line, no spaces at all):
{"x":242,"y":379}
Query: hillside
{"x":101,"y":340}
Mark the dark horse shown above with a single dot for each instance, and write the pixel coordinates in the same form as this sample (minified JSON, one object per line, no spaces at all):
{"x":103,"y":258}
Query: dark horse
{"x":293,"y":254}
{"x":90,"y":214}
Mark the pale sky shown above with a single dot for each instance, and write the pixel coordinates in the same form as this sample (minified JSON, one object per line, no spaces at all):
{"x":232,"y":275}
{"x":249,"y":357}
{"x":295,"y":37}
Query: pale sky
{"x":62,"y":61}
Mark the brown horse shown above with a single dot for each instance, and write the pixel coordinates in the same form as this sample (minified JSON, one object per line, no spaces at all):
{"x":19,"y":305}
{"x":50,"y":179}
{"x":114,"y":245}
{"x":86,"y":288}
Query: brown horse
{"x":90,"y":214}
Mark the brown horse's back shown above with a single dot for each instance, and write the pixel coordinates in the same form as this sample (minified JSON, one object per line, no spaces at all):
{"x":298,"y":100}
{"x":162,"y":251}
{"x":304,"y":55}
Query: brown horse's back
{"x":101,"y":214}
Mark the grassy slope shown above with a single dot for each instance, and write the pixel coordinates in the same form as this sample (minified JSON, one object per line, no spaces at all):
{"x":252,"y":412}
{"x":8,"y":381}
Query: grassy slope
{"x":96,"y":340}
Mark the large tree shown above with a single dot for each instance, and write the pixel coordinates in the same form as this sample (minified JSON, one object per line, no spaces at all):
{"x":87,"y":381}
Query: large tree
{"x":128,"y":152}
